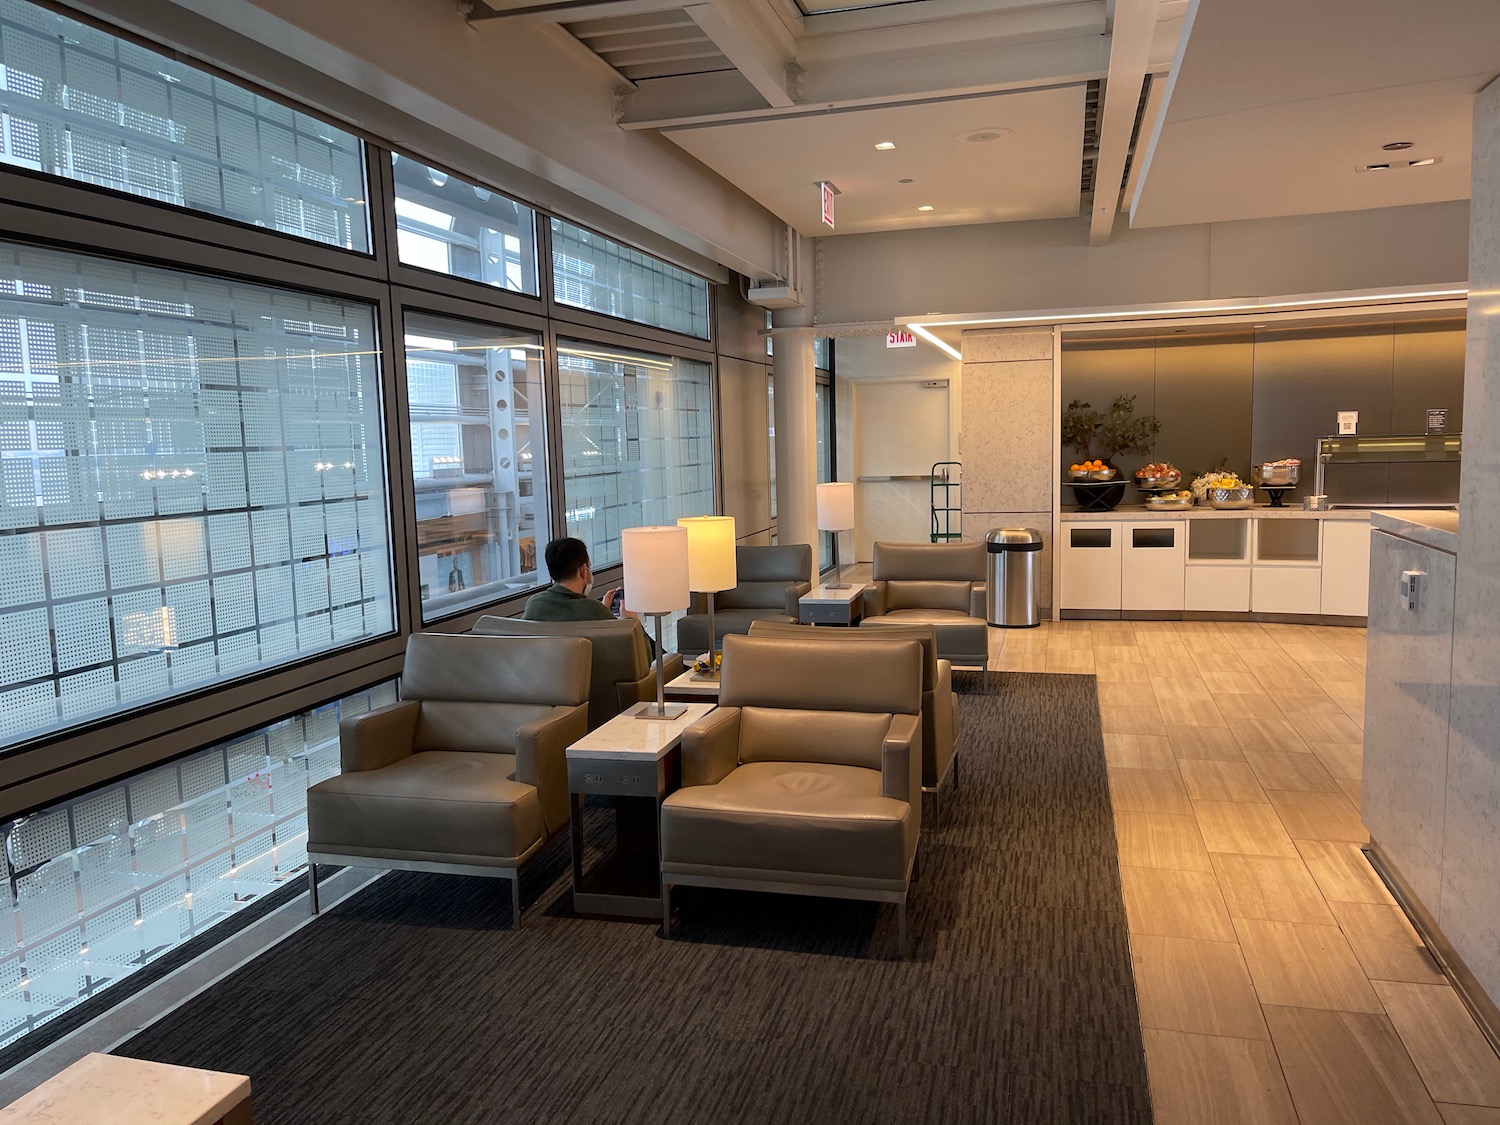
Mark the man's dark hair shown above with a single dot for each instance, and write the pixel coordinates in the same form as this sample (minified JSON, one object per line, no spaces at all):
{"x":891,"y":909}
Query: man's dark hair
{"x":565,"y":558}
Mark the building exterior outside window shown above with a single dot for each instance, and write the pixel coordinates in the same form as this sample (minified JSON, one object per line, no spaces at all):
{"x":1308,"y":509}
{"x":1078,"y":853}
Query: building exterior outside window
{"x":191,"y":484}
{"x":637,"y":441}
{"x":451,"y":226}
{"x":600,"y":275}
{"x":478,"y":442}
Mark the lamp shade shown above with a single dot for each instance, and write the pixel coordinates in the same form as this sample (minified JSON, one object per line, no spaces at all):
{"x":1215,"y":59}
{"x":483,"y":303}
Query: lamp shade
{"x":655,"y":560}
{"x":836,"y":506}
{"x":710,"y":552}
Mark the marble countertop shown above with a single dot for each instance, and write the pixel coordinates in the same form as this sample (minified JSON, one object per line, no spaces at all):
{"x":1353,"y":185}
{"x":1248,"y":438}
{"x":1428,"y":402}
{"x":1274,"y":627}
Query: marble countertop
{"x":833,"y":595}
{"x":1203,"y":512}
{"x":1434,"y":527}
{"x":690,"y":683}
{"x":113,"y":1090}
{"x":631,"y":739}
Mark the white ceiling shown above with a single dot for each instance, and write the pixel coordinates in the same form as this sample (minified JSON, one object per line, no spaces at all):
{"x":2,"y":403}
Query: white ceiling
{"x":1031,"y":172}
{"x":1274,"y":104}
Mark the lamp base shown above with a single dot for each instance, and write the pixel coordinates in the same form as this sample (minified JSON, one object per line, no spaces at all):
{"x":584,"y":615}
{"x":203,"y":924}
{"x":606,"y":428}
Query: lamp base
{"x":668,"y":711}
{"x":836,"y":586}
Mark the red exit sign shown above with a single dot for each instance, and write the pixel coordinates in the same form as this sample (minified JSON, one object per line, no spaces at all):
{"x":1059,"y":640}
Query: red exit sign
{"x":899,"y":339}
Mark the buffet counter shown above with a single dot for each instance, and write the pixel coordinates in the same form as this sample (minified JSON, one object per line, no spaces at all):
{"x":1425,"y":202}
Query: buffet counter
{"x":1261,"y":562}
{"x":1202,"y":511}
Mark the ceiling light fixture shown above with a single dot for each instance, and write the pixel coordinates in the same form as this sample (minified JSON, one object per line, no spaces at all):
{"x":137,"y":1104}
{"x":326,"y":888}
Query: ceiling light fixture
{"x":885,"y":146}
{"x":984,"y":135}
{"x":925,"y":207}
{"x":908,"y":180}
{"x":1422,"y":163}
{"x":1398,"y":146}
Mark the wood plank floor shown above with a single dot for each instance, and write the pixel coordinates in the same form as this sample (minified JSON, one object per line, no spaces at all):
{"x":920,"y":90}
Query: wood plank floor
{"x":1278,"y":980}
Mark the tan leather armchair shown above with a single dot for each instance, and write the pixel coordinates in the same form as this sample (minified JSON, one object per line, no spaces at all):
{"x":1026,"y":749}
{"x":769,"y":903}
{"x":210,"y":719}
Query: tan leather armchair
{"x":939,"y":704}
{"x":937,"y":584}
{"x":622,"y":673}
{"x":806,"y":779}
{"x":466,"y":775}
{"x":771,"y":581}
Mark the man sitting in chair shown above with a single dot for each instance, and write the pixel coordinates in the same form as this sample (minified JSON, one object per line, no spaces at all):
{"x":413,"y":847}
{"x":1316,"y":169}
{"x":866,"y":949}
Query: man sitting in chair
{"x":567,"y":599}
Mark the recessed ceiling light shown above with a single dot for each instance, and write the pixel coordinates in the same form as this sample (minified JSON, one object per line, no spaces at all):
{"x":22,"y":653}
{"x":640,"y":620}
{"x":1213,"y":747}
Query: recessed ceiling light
{"x":886,"y":146}
{"x":925,"y":207}
{"x":1377,"y":167}
{"x":1397,"y":146}
{"x":908,"y":180}
{"x":1422,"y":163}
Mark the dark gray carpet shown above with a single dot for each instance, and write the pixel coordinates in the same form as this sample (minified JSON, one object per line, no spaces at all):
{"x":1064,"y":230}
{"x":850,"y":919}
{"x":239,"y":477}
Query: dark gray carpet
{"x":414,"y":1003}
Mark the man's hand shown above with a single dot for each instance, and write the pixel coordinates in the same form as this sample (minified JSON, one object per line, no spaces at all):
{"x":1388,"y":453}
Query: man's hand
{"x":609,"y":600}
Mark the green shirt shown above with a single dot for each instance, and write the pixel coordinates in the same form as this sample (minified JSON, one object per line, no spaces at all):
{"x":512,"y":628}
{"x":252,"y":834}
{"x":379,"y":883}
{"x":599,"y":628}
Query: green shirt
{"x":558,"y":603}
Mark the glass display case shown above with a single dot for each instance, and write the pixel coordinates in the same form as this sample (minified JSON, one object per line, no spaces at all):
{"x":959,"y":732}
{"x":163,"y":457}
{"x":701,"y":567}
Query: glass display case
{"x":1428,"y":461}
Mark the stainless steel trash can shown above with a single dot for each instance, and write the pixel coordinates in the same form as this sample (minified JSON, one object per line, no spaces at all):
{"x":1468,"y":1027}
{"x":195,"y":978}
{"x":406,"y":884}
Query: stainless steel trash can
{"x":1010,"y":600}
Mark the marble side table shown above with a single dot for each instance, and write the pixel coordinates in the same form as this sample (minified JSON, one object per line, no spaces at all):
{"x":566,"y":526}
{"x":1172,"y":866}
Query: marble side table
{"x":114,"y":1090}
{"x":823,"y":605}
{"x":635,"y":761}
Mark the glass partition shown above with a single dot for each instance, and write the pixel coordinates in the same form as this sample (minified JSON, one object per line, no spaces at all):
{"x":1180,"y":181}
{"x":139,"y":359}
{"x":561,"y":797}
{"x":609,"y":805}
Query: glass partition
{"x":478,"y":443}
{"x":637,"y":441}
{"x":192,"y":484}
{"x":452,"y":226}
{"x":595,"y":273}
{"x":79,"y":103}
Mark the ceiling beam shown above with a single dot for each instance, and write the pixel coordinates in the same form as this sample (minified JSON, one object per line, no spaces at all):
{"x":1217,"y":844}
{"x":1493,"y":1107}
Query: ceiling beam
{"x":853,"y":84}
{"x":1129,"y":54}
{"x":489,"y":16}
{"x":761,"y":50}
{"x":1083,"y":17}
{"x":1155,"y":96}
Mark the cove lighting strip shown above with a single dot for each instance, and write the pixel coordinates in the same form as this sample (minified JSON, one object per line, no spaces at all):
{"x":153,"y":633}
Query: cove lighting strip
{"x":921,"y":326}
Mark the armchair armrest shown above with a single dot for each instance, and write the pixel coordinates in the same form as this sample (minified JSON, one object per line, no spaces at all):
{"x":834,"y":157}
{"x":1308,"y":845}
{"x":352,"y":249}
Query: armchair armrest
{"x":944,"y":731}
{"x":378,"y":738}
{"x":977,"y":597}
{"x":874,"y":599}
{"x":711,"y":747}
{"x":901,"y":760}
{"x":636,"y":691}
{"x":541,"y":758}
{"x":794,"y":594}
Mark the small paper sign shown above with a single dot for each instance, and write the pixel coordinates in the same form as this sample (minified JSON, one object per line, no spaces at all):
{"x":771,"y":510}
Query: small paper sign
{"x":1437,"y":421}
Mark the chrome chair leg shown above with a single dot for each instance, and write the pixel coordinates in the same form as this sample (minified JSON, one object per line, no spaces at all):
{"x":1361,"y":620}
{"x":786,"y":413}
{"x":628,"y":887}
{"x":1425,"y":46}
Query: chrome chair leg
{"x":515,"y":901}
{"x":312,"y":886}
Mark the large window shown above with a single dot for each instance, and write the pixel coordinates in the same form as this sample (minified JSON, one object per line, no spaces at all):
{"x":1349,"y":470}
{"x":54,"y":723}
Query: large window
{"x":637,"y":441}
{"x":191,"y":483}
{"x":595,"y":273}
{"x":478,"y":444}
{"x":112,"y":880}
{"x":85,"y":105}
{"x":451,"y":226}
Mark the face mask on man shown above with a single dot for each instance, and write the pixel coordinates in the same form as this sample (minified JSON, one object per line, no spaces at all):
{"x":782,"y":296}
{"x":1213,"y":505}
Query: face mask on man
{"x":588,"y":582}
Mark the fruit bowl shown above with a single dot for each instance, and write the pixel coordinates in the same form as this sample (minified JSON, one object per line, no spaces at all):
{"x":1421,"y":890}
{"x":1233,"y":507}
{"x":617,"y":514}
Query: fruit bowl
{"x":1231,"y":497}
{"x":1170,"y":503}
{"x":1091,"y":474}
{"x":1158,"y":475}
{"x":1277,"y":475}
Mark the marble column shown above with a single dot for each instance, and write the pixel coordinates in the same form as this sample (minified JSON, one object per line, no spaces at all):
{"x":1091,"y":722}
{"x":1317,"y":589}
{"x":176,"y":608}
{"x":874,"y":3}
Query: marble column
{"x":1469,"y":906}
{"x":794,"y":375}
{"x":1007,"y":436}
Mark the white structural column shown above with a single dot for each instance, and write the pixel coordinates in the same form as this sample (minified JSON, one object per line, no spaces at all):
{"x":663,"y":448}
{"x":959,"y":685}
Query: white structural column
{"x":794,"y":378}
{"x":1131,"y":33}
{"x":1469,"y":903}
{"x":1008,"y":442}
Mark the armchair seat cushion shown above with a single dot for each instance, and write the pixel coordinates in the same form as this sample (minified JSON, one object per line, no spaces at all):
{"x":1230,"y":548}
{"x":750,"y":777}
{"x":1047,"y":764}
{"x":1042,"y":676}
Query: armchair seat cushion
{"x":785,"y":817}
{"x":960,"y":638}
{"x":692,"y":628}
{"x":454,"y":803}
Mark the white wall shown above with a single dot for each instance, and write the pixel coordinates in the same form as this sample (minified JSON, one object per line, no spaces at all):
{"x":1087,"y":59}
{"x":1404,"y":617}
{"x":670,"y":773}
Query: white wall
{"x":1046,"y":265}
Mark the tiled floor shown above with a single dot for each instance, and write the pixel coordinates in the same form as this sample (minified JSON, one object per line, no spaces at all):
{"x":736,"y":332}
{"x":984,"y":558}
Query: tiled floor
{"x":1278,"y":980}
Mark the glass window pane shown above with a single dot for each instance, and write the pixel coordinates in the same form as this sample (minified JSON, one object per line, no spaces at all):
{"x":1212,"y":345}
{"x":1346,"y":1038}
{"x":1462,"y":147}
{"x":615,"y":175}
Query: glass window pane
{"x":478,"y":444}
{"x":592,"y":272}
{"x":87,"y":106}
{"x":637,"y":442}
{"x":111,"y":880}
{"x":451,"y":226}
{"x":824,"y":423}
{"x":192,"y":484}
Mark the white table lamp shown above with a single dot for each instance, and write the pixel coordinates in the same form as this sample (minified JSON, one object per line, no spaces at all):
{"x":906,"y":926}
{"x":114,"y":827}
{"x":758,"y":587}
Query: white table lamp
{"x":836,"y":514}
{"x":655,"y":562}
{"x":711,"y":566}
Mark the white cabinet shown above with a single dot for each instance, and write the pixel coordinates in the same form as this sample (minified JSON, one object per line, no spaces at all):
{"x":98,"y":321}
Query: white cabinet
{"x":1286,"y":589}
{"x":1346,"y":567}
{"x":1090,"y":561}
{"x":1213,"y":588}
{"x":1152,"y":560}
